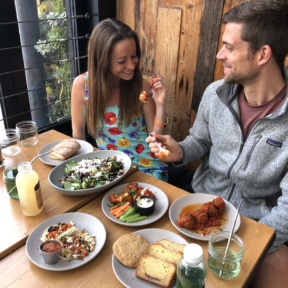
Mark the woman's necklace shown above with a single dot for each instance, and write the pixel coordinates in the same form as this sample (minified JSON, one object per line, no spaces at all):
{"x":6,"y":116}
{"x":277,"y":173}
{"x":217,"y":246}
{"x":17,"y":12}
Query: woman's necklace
{"x":114,"y":100}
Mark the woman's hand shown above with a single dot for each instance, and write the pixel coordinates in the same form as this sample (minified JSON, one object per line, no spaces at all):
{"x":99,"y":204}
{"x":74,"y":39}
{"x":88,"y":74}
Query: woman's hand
{"x":158,"y":90}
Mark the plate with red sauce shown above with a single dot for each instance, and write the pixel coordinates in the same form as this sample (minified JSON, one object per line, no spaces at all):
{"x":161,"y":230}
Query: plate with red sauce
{"x":82,"y":221}
{"x":192,"y":202}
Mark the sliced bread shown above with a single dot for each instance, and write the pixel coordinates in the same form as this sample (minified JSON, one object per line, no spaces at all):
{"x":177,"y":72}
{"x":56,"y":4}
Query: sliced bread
{"x":172,"y":245}
{"x":166,"y":254}
{"x":156,"y":271}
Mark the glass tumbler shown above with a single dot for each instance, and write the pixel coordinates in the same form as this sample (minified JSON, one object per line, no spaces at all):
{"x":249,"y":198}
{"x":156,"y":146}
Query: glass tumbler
{"x":9,"y":176}
{"x":10,"y":142}
{"x":216,"y":250}
{"x":28,"y":132}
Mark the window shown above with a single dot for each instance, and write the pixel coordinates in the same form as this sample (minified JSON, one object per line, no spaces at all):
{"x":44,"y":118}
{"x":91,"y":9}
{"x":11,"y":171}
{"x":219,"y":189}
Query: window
{"x":43,"y":47}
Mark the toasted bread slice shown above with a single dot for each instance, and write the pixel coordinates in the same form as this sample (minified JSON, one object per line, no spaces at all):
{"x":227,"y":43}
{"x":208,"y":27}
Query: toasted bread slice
{"x":166,"y":254}
{"x":156,"y":271}
{"x":172,"y":245}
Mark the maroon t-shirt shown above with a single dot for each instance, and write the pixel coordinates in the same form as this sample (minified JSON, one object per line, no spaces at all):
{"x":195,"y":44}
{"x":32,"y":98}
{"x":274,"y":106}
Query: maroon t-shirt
{"x":250,"y":114}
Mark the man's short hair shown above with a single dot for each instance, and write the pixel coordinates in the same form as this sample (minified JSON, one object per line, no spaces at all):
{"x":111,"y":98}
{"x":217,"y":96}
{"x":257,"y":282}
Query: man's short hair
{"x":265,"y":22}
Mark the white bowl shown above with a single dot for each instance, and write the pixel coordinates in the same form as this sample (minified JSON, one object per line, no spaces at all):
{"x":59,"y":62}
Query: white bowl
{"x":58,"y":172}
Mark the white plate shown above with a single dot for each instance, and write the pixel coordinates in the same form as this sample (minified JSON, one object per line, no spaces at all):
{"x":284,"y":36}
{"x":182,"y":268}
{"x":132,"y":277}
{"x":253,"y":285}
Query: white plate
{"x":85,"y":148}
{"x":161,"y":204}
{"x":127,"y":275}
{"x":81,"y":220}
{"x":186,"y":200}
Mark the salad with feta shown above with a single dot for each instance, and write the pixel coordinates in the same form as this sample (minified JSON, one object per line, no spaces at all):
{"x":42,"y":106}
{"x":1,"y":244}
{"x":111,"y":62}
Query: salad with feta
{"x":91,"y":173}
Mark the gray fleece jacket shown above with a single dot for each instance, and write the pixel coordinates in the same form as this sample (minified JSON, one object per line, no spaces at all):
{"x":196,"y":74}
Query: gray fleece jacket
{"x":255,"y":170}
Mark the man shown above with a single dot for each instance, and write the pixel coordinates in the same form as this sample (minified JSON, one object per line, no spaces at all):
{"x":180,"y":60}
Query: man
{"x":241,"y":129}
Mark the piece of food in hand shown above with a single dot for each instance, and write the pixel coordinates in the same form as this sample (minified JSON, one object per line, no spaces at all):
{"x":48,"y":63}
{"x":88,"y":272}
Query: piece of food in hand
{"x":163,"y":154}
{"x":144,"y":97}
{"x":156,"y":271}
{"x":129,"y":248}
{"x":65,"y":149}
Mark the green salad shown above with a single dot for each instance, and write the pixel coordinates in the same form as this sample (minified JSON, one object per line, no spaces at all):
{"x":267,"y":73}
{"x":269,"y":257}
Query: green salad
{"x":91,"y":173}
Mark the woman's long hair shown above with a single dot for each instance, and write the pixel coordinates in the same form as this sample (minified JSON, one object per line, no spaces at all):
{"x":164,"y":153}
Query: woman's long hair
{"x":102,"y":41}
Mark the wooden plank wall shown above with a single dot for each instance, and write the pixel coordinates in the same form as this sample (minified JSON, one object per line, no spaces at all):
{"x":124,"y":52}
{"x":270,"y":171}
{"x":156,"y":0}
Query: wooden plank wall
{"x":179,"y":39}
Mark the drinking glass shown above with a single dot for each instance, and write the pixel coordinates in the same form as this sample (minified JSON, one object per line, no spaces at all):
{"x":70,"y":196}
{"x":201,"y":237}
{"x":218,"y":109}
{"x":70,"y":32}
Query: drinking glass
{"x":10,"y":142}
{"x":216,"y":250}
{"x":9,"y":176}
{"x":28,"y":132}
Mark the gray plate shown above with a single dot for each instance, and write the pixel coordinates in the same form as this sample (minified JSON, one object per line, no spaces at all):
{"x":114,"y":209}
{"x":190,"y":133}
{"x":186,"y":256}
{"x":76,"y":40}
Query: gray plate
{"x":81,"y":220}
{"x":127,"y":275}
{"x":183,"y":201}
{"x":161,"y":204}
{"x":85,"y":148}
{"x":58,"y":172}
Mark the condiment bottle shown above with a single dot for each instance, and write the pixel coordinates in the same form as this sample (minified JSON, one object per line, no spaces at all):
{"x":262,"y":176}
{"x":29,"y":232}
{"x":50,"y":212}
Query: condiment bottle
{"x":28,"y":186}
{"x":191,"y":271}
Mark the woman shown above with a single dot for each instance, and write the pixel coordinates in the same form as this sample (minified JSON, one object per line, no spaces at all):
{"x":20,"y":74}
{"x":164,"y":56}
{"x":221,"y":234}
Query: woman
{"x":109,"y":101}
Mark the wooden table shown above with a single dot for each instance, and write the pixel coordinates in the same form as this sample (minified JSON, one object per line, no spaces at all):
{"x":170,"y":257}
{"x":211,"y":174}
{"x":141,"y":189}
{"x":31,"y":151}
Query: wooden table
{"x":17,"y":271}
{"x":17,"y":227}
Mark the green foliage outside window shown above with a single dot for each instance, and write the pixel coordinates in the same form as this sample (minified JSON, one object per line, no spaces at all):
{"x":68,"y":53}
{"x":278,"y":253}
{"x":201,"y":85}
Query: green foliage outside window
{"x":53,"y":46}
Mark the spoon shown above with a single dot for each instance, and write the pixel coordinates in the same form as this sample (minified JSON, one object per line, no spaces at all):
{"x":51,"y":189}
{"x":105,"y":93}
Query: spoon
{"x":161,"y":149}
{"x":229,"y":240}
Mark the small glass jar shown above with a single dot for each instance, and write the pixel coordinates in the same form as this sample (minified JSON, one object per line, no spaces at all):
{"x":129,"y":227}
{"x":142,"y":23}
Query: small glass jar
{"x":10,"y":142}
{"x":216,"y":250}
{"x":9,"y":176}
{"x":28,"y":132}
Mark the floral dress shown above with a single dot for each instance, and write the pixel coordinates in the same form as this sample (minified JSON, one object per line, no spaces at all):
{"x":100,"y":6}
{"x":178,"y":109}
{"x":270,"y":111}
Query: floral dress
{"x":128,"y":139}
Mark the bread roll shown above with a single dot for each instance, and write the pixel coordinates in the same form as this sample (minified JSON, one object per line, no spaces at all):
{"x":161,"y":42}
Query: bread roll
{"x":65,"y":149}
{"x":129,"y":248}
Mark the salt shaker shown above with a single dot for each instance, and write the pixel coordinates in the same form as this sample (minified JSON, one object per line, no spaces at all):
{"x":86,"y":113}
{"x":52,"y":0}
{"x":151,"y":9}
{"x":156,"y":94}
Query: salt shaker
{"x":191,"y":271}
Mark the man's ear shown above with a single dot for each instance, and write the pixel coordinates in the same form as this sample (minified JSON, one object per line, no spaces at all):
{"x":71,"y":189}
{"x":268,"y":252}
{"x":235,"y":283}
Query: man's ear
{"x":264,"y":54}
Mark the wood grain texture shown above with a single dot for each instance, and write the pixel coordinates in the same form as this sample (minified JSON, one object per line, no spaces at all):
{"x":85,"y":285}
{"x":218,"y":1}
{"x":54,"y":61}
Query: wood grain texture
{"x":166,"y":59}
{"x":207,"y":49}
{"x":17,"y":227}
{"x":17,"y":271}
{"x":187,"y":58}
{"x":125,"y":11}
{"x":146,"y":28}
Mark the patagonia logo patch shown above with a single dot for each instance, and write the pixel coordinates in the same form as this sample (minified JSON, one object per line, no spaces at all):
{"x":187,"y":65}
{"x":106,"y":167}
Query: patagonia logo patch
{"x":274,"y":143}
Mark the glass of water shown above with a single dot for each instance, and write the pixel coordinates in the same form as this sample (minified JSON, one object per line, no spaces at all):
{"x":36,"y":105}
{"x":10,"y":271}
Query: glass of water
{"x":216,"y":250}
{"x":28,"y":131}
{"x":10,"y":142}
